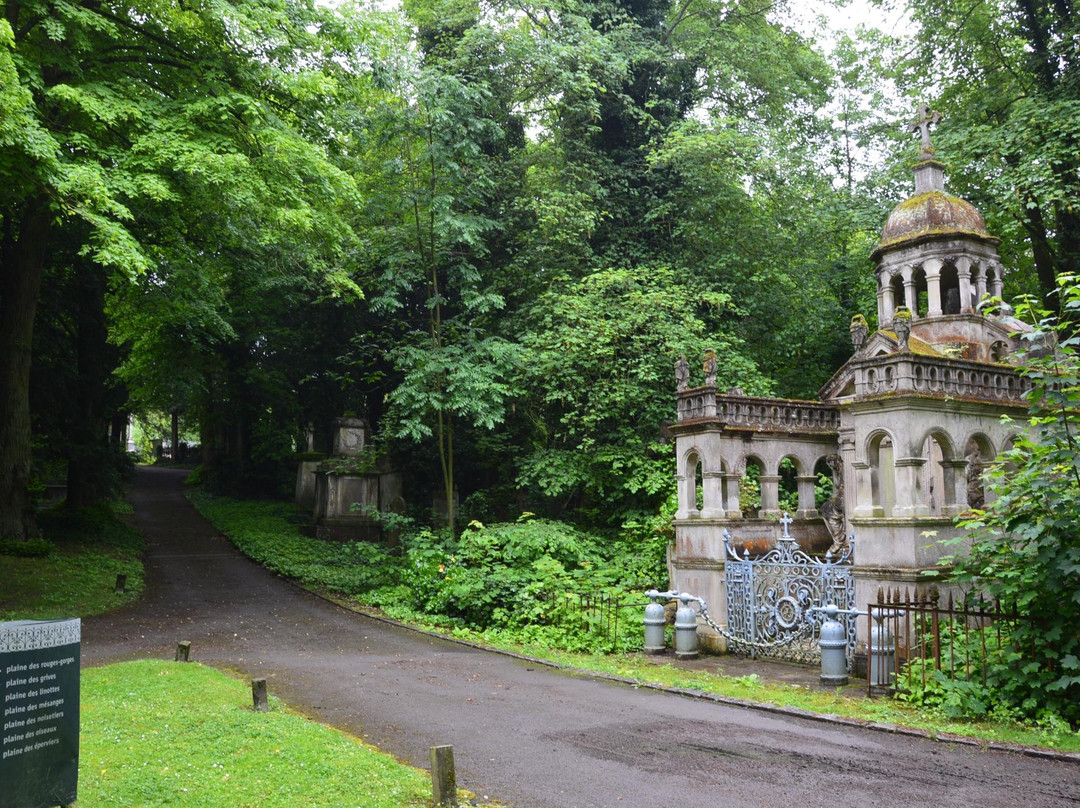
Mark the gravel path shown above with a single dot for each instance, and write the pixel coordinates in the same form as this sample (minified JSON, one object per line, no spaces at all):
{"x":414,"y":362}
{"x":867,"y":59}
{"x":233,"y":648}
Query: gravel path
{"x":522,"y":733}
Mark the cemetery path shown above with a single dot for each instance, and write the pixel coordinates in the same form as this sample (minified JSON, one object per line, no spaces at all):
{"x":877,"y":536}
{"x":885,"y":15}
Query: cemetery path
{"x":522,"y":733}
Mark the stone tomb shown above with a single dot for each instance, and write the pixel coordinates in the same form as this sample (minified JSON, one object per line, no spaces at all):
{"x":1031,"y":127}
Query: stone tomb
{"x":350,"y":486}
{"x":906,"y":425}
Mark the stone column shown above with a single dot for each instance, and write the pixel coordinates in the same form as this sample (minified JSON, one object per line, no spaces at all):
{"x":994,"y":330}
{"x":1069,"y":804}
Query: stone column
{"x":806,"y":497}
{"x":908,"y":501}
{"x":980,"y":284}
{"x":888,"y":304}
{"x":712,"y":483}
{"x":864,"y":492}
{"x":911,"y":299}
{"x":680,"y":485}
{"x":932,"y":268}
{"x":997,"y":287}
{"x":963,"y":273}
{"x":770,"y":495}
{"x":731,"y":501}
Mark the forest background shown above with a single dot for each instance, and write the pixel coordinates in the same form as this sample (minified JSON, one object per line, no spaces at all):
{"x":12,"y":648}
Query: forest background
{"x":489,"y":229}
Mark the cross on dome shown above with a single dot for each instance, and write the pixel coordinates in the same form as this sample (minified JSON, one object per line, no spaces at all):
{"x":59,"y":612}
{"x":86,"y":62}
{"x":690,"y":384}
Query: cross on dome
{"x":922,"y":125}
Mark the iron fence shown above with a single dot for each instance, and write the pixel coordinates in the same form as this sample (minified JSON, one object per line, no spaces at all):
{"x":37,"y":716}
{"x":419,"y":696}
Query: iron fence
{"x":916,"y":639}
{"x":599,"y":615}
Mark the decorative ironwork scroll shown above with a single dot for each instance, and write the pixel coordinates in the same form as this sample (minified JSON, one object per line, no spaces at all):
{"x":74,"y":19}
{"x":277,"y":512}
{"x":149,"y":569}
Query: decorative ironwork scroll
{"x":769,"y":598}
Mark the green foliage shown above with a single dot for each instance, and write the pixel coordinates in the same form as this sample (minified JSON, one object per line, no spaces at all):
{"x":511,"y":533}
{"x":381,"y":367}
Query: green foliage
{"x":134,"y":751}
{"x":31,"y":548}
{"x":598,"y":367}
{"x":974,"y":664}
{"x":522,"y":577}
{"x":1024,"y":546}
{"x":267,"y":532}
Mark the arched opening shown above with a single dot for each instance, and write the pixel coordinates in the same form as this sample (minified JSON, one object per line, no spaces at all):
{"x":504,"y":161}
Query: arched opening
{"x":789,"y":485}
{"x":979,"y":454}
{"x":949,"y":284}
{"x":896,"y":283}
{"x":882,"y":475}
{"x":824,"y":484}
{"x":922,"y":302}
{"x":692,"y":495}
{"x":750,"y":486}
{"x":938,"y":485}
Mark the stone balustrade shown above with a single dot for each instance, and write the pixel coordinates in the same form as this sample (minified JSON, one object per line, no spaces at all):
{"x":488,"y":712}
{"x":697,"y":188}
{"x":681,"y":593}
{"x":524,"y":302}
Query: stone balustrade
{"x":908,"y":373}
{"x":766,"y":414}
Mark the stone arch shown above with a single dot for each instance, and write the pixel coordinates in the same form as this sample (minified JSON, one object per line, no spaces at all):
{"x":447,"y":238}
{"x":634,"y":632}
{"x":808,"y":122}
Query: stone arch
{"x":789,"y":469}
{"x":880,"y":458}
{"x":753,"y":468}
{"x":692,"y":483}
{"x":937,"y":488}
{"x":979,"y":454}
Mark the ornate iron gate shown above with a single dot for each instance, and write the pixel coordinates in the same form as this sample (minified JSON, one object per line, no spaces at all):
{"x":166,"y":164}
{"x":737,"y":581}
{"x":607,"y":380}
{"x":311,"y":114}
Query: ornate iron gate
{"x":769,"y":599}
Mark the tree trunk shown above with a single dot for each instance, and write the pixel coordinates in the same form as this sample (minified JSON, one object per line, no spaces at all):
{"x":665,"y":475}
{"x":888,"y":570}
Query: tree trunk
{"x":21,"y":264}
{"x":89,"y":463}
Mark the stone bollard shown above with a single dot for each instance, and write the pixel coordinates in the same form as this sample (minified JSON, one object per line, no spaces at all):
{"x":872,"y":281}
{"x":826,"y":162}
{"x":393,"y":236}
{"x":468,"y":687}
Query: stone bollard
{"x":882,"y":663}
{"x":259,"y":697}
{"x":183,"y":651}
{"x":686,"y":639}
{"x":656,"y":621}
{"x":121,"y":583}
{"x":832,"y":641}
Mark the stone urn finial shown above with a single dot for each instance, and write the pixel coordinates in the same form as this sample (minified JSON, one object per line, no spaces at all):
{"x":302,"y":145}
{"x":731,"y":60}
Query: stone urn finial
{"x":860,"y":331}
{"x":902,"y":326}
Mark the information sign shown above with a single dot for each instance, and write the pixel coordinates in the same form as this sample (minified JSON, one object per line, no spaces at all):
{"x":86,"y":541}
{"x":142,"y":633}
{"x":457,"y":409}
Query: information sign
{"x":39,"y":703}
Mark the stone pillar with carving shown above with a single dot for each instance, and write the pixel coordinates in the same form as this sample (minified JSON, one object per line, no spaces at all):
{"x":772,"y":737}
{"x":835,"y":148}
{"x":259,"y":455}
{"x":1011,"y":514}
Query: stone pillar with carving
{"x":955,"y":482}
{"x":731,"y":501}
{"x":907,"y":471}
{"x":807,"y":509}
{"x":864,"y":492}
{"x":980,"y":284}
{"x":911,"y":297}
{"x":712,"y":484}
{"x":770,"y":495}
{"x":888,"y":304}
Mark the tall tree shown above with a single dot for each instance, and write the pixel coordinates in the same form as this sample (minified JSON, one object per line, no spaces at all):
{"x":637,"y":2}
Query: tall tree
{"x":113,"y":114}
{"x":1007,"y":74}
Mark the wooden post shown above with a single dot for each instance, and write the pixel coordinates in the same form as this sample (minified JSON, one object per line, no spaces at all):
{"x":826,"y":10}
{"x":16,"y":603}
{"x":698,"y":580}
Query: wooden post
{"x":443,"y":779}
{"x":121,"y":583}
{"x":258,"y":696}
{"x":183,"y":651}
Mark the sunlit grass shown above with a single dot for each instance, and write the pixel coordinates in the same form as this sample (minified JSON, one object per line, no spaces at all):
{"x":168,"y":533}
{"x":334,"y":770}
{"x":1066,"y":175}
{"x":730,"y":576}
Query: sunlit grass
{"x":157,"y":733}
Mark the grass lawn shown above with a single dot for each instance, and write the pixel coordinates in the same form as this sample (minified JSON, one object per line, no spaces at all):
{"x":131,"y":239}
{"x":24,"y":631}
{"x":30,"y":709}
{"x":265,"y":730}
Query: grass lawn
{"x":168,"y":733}
{"x":78,"y":576}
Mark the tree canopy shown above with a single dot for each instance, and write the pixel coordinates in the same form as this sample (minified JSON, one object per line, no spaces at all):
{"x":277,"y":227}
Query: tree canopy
{"x":488,"y":229}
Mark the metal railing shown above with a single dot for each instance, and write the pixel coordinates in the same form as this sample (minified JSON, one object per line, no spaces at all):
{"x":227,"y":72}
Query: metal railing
{"x":600,"y":615}
{"x":915,"y":639}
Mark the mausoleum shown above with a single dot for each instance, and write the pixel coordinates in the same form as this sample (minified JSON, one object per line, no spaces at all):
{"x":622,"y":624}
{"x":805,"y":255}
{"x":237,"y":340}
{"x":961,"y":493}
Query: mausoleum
{"x":903,"y":428}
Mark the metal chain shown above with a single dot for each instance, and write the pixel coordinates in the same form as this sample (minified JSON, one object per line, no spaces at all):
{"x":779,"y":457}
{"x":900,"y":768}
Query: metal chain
{"x":761,"y":646}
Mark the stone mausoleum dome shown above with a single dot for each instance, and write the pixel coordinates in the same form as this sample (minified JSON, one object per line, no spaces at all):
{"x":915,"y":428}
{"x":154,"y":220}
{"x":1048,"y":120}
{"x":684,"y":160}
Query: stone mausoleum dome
{"x":934,"y":213}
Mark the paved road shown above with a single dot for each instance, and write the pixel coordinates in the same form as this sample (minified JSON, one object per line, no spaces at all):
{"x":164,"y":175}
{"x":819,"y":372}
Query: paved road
{"x":524,"y":734}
